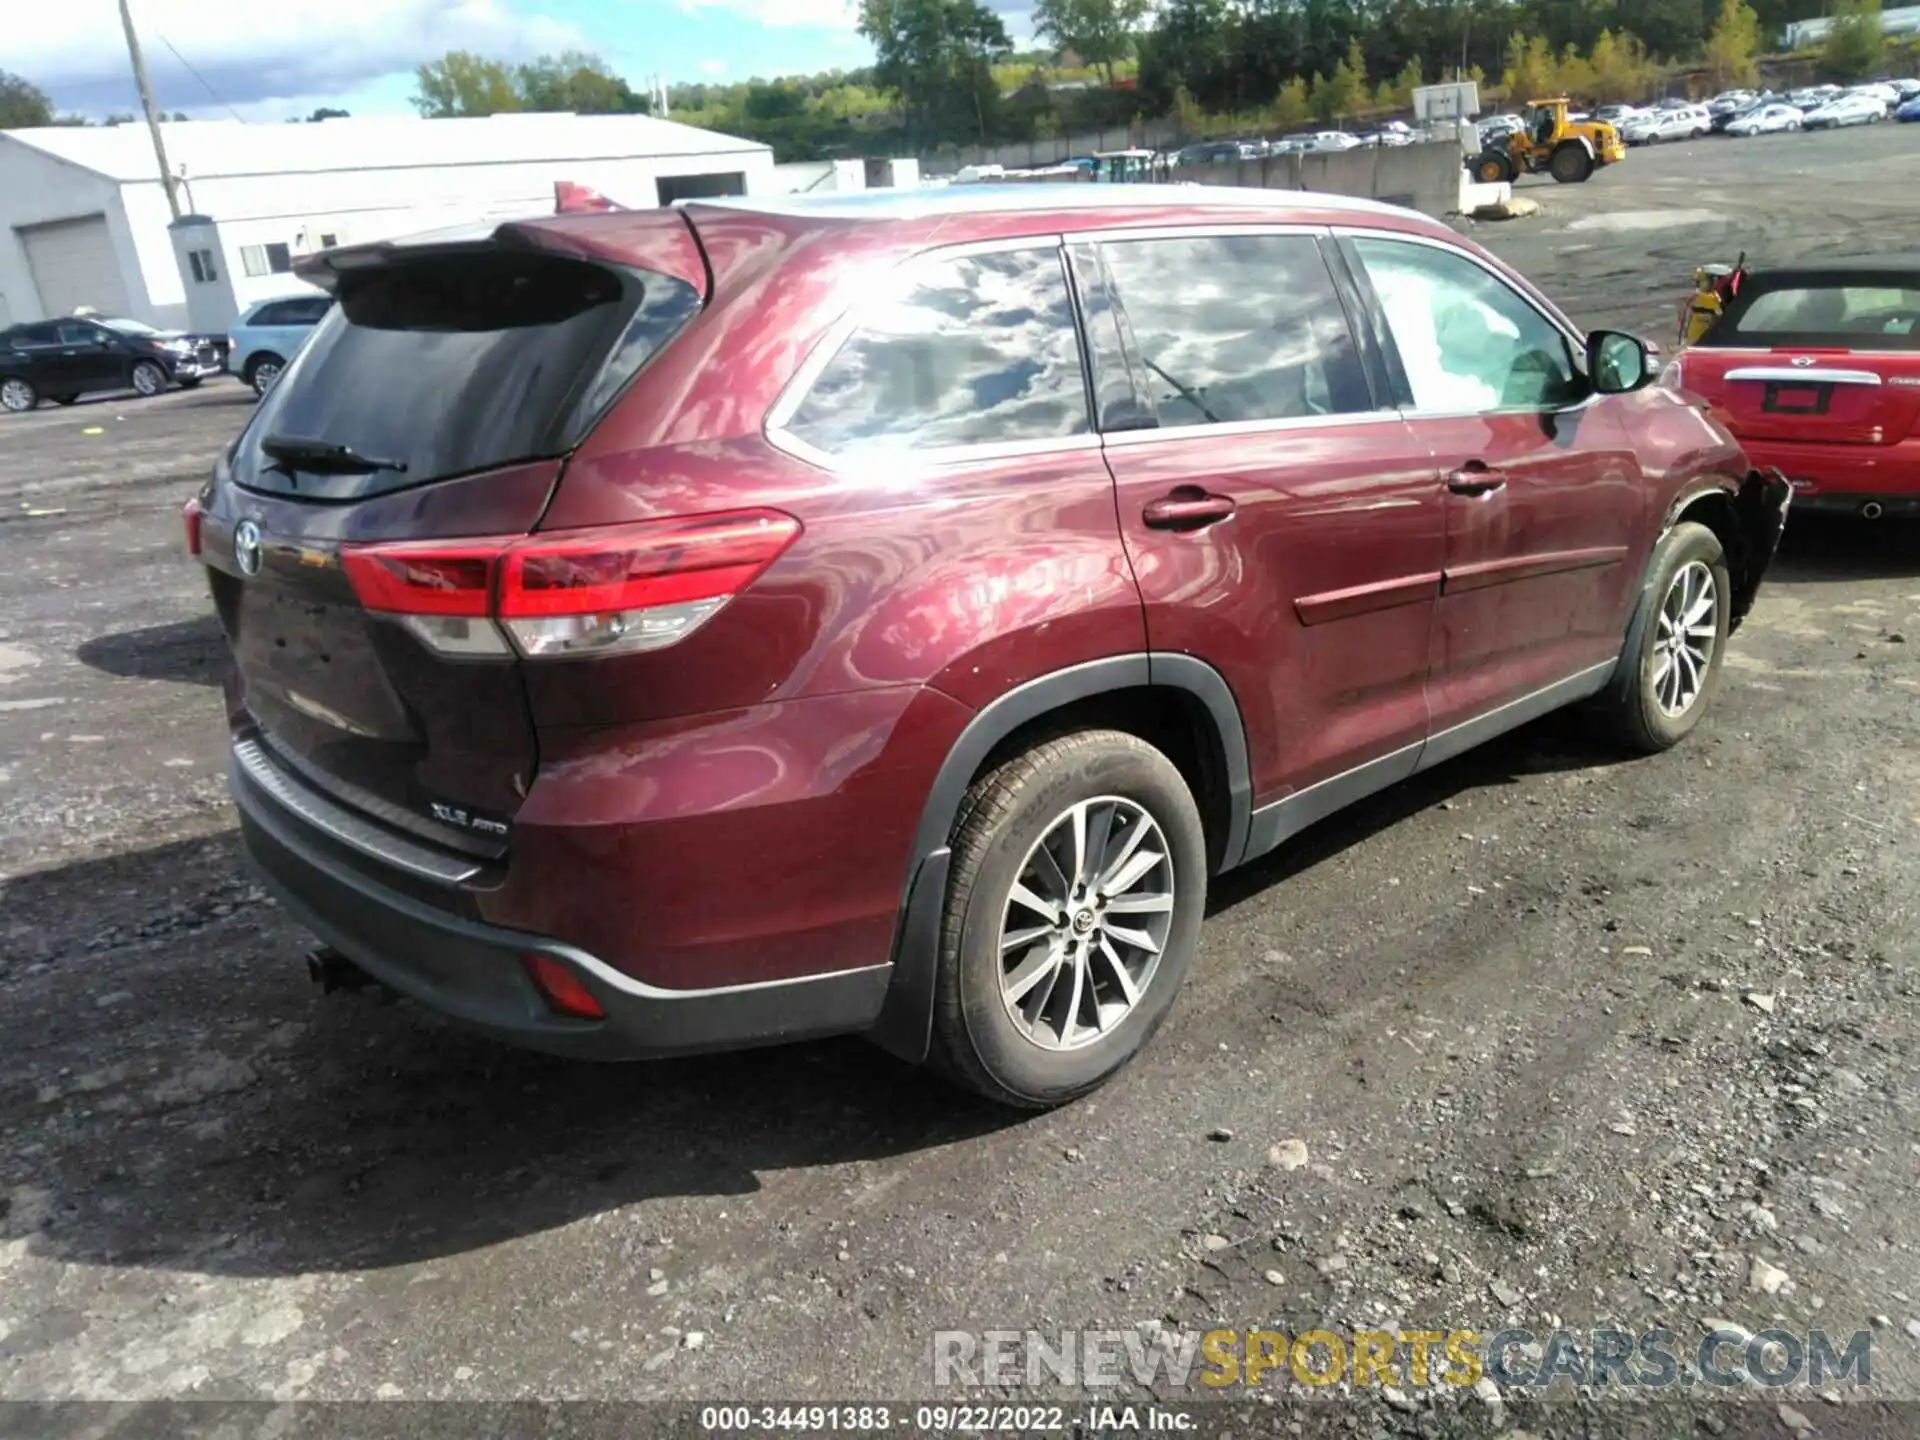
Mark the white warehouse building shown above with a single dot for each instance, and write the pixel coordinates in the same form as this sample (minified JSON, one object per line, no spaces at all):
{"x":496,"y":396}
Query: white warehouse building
{"x":84,"y":218}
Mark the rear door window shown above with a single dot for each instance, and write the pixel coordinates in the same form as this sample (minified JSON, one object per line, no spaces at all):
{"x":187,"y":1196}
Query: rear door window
{"x":450,"y":363}
{"x":965,"y":350}
{"x":1235,"y":328}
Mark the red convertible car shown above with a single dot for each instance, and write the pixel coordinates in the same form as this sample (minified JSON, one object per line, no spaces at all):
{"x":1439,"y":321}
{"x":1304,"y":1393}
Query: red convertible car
{"x":1816,"y":370}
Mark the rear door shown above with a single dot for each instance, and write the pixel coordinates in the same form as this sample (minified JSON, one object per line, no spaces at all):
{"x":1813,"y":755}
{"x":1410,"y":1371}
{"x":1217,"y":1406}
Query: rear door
{"x":95,"y":355}
{"x":1282,"y":523}
{"x":435,"y":402}
{"x":1818,"y":361}
{"x":1538,"y":477}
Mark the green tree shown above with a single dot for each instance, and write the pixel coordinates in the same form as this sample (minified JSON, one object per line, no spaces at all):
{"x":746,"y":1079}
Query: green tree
{"x":1340,"y":92}
{"x":1291,"y":106}
{"x":1098,"y":32}
{"x":576,"y":81}
{"x":1620,"y":69}
{"x":1733,"y":44}
{"x":1574,"y":74}
{"x":1531,"y":72}
{"x":1403,"y":85}
{"x":1856,"y":42}
{"x":937,"y":56}
{"x":327,"y":113}
{"x":461,"y":83}
{"x":1188,"y":118}
{"x":23,"y":104}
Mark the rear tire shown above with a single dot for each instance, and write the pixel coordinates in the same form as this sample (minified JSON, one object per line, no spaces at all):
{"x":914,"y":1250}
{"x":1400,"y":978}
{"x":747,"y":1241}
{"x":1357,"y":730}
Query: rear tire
{"x":18,"y":395}
{"x":1669,"y":671}
{"x":1092,"y":997}
{"x":1491,"y":167}
{"x":148,"y":378}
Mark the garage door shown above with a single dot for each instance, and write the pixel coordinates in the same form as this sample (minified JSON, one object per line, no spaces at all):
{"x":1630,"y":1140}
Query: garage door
{"x":73,"y":264}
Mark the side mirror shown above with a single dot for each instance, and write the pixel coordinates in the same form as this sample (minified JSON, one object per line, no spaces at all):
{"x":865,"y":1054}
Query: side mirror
{"x":1617,"y":362}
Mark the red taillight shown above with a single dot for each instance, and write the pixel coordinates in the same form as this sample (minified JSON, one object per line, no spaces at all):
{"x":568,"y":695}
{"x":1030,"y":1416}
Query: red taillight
{"x":609,"y":590}
{"x":193,"y":512}
{"x":428,"y":577}
{"x":561,"y":988}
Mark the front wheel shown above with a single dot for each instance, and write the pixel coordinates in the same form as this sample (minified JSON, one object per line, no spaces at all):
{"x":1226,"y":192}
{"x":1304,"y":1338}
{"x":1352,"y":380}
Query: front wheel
{"x":148,"y":378}
{"x":1079,"y":880}
{"x":1571,"y":165}
{"x":1670,"y":668}
{"x":262,"y":371}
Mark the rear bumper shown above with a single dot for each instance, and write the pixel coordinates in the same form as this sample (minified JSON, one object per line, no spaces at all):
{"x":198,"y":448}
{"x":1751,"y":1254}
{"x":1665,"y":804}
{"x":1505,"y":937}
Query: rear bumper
{"x":1844,"y":478}
{"x":472,"y":972}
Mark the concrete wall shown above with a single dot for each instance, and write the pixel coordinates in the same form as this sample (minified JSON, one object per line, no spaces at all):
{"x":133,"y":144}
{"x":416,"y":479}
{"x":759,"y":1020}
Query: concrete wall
{"x":1152,"y":135}
{"x":1424,"y":177}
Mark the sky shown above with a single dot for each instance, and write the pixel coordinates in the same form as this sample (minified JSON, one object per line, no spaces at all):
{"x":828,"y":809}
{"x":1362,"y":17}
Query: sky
{"x":266,"y":62}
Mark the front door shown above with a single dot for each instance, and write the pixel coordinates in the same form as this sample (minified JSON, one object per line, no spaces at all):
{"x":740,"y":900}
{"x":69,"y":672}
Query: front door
{"x":1282,"y":523}
{"x":1536,"y":473}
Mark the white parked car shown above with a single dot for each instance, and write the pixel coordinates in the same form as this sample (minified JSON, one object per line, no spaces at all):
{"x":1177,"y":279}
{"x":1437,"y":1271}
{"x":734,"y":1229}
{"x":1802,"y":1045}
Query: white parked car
{"x":1814,"y":96}
{"x":1886,"y":94}
{"x":1617,"y":115}
{"x":1687,"y":122}
{"x":1767,"y":120}
{"x":1326,"y":140}
{"x":1847,"y":110}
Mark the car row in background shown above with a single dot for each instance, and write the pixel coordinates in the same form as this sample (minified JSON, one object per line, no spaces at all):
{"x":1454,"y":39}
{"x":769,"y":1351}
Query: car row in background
{"x":61,"y":360}
{"x":1742,"y":113}
{"x":1226,"y":152}
{"x":85,"y":354}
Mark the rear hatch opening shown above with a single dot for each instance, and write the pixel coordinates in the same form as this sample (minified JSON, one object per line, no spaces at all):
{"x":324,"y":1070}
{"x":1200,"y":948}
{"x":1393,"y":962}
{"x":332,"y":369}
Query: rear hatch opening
{"x":370,"y":537}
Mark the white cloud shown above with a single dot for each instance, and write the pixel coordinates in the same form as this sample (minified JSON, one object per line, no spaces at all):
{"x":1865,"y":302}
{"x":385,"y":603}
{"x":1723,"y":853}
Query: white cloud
{"x":787,"y":14}
{"x":249,"y":52}
{"x":713,"y":67}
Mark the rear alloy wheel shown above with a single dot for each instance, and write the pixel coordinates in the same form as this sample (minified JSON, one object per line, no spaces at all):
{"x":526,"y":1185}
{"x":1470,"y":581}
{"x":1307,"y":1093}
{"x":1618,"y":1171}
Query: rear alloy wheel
{"x":1671,"y":667}
{"x":148,"y":378}
{"x":1079,"y":879}
{"x":262,"y":371}
{"x":18,"y":395}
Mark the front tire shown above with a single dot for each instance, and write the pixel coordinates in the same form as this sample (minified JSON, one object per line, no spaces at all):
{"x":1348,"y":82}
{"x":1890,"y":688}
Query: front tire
{"x":1571,"y":165}
{"x":1079,"y":881}
{"x":1670,"y":670}
{"x":148,"y":378}
{"x":18,"y":395}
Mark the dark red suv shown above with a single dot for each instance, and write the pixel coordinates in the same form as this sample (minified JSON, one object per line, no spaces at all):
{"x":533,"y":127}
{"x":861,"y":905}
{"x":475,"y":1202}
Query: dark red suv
{"x":718,"y":625}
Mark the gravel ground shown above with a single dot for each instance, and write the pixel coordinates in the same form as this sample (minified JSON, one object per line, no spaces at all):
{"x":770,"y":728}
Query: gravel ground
{"x":1543,"y":1038}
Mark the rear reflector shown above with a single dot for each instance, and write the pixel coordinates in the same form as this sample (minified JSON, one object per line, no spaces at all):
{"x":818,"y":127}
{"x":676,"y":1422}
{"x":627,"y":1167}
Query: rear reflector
{"x":561,"y":988}
{"x":193,"y":512}
{"x":611,"y":590}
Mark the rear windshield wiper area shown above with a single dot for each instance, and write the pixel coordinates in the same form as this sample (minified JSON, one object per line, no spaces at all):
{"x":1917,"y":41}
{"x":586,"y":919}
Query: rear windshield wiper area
{"x":325,"y":457}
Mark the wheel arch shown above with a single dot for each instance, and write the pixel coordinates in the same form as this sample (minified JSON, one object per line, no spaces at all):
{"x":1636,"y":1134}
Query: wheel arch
{"x":1144,"y":694}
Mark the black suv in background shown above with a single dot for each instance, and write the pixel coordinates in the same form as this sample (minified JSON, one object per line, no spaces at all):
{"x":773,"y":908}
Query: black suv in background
{"x":61,"y":360}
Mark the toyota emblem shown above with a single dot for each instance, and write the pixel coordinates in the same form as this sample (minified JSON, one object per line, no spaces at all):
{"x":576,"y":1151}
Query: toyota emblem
{"x":246,"y":547}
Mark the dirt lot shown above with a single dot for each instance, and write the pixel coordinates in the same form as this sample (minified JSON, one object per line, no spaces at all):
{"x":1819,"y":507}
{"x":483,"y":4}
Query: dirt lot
{"x":1562,"y":1040}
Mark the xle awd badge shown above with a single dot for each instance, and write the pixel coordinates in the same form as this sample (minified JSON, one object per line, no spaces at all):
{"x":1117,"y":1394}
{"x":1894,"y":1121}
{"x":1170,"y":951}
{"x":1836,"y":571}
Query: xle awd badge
{"x":246,"y":547}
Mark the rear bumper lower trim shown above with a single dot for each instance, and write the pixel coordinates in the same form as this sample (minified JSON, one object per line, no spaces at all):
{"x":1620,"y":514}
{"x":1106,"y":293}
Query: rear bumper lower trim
{"x":342,"y":825}
{"x":473,"y":972}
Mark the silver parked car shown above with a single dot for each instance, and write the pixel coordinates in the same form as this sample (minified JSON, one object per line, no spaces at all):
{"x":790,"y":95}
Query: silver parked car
{"x":268,"y":334}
